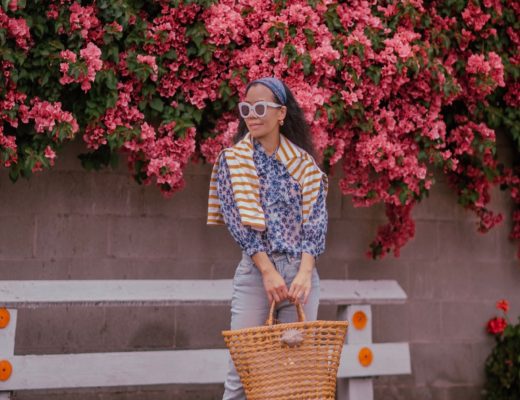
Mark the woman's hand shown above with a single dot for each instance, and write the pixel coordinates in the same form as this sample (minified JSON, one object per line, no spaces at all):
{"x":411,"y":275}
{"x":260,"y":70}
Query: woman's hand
{"x":301,"y":286}
{"x":302,"y":282}
{"x":274,"y":285}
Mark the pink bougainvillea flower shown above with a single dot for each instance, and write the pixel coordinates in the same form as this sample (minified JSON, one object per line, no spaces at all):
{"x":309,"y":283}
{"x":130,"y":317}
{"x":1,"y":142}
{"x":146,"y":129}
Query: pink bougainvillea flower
{"x":84,"y":20}
{"x":91,"y":57}
{"x":38,"y":166}
{"x":50,"y":155}
{"x":8,"y":149}
{"x":225,"y":130}
{"x":49,"y":118}
{"x":17,"y":29}
{"x":474,"y":17}
{"x":150,"y":61}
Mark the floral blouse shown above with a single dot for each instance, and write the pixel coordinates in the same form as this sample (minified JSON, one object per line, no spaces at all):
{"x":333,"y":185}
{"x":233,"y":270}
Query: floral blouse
{"x":281,"y":200}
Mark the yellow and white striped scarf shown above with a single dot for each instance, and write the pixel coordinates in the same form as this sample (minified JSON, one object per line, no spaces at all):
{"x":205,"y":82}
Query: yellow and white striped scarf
{"x":245,"y":183}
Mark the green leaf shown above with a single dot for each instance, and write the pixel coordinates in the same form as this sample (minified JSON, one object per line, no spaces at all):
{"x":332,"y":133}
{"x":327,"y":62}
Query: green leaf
{"x":290,"y":52}
{"x":97,"y":159}
{"x":157,"y":104}
{"x":292,"y":31}
{"x":403,"y":196}
{"x":308,"y":68}
{"x":374,"y":73}
{"x":309,"y":35}
{"x":14,"y":173}
{"x":332,"y":19}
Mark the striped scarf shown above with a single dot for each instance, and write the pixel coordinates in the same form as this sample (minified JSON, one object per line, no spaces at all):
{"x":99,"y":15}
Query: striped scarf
{"x":246,"y":187}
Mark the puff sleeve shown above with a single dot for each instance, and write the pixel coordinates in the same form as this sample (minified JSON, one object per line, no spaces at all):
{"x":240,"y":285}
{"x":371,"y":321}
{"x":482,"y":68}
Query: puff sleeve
{"x":249,"y":239}
{"x":315,"y":228}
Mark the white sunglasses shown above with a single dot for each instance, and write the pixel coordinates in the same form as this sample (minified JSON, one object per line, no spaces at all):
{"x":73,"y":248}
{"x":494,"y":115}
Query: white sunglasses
{"x":258,"y":109}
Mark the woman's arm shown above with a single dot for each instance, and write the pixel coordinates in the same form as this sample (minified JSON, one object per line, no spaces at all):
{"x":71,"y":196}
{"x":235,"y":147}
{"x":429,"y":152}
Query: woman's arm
{"x":313,"y":244}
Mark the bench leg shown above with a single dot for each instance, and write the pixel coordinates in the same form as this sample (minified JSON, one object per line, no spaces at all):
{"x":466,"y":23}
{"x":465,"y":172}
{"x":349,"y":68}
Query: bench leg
{"x":359,"y":331}
{"x":355,"y":389}
{"x":7,"y":334}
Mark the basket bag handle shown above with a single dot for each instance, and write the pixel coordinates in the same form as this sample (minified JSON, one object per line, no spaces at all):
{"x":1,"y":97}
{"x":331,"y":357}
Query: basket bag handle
{"x":299,"y":310}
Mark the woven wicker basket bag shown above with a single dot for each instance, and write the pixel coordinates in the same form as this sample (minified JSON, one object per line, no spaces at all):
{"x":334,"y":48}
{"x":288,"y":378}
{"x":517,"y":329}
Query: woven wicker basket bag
{"x":296,"y":360}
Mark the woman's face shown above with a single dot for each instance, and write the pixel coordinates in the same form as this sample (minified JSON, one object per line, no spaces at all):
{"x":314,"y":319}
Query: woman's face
{"x":270,"y":124}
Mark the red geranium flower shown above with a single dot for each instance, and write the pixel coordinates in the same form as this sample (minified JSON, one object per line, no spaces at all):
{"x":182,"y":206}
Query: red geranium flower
{"x":496,"y":325}
{"x":503,"y":305}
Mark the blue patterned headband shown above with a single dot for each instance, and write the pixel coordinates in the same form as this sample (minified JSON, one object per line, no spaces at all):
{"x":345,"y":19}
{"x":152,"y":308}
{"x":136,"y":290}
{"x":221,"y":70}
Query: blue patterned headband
{"x":274,"y":84}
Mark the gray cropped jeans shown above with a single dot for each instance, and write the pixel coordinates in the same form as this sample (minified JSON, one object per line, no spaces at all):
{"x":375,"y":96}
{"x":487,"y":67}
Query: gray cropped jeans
{"x":250,"y":305}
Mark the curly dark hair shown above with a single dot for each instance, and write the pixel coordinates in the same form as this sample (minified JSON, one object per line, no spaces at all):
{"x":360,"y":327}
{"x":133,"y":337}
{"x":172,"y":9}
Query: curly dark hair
{"x":294,"y":128}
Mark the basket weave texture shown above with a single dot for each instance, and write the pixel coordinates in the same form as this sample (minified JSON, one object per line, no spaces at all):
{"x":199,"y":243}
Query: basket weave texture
{"x":272,"y":369}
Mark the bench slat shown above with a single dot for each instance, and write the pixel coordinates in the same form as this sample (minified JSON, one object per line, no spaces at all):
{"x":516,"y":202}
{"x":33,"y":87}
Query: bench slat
{"x":44,"y":293}
{"x":170,"y":367}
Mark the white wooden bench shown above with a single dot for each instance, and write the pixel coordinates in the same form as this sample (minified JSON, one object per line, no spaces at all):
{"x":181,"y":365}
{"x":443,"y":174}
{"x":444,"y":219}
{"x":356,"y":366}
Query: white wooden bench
{"x":361,"y":359}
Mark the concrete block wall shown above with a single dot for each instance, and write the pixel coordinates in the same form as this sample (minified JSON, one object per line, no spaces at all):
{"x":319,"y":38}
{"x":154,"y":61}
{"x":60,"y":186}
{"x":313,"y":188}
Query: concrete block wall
{"x":67,"y":223}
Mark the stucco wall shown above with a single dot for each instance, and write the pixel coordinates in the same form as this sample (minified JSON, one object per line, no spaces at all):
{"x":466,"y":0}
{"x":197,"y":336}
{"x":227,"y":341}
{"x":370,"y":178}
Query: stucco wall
{"x":69,"y":223}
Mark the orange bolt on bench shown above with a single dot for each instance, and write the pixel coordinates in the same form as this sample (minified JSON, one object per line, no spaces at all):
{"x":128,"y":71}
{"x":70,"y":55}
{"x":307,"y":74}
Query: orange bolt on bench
{"x":359,"y":320}
{"x":5,"y":370}
{"x":365,"y":356}
{"x":5,"y":317}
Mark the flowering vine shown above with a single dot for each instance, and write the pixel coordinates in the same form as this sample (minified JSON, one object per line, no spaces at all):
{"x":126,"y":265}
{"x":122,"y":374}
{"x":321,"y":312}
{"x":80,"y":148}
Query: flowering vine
{"x":392,"y":90}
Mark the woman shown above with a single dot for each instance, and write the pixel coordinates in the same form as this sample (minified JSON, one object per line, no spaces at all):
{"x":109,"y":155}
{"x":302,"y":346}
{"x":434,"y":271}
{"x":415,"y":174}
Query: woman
{"x":269,"y":191}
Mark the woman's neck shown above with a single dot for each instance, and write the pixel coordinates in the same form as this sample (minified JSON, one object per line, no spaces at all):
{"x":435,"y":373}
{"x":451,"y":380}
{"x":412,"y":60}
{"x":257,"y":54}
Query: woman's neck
{"x":270,"y":142}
